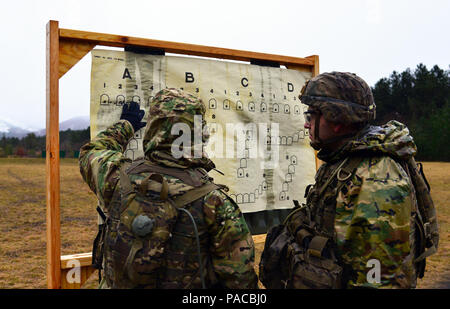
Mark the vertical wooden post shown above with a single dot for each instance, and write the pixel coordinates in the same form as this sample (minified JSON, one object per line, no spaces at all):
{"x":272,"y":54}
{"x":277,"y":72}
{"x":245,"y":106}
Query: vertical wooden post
{"x":315,"y":69}
{"x":52,"y":158}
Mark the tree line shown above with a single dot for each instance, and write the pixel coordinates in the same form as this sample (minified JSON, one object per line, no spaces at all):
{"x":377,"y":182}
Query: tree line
{"x":70,"y":142}
{"x":420,"y":99}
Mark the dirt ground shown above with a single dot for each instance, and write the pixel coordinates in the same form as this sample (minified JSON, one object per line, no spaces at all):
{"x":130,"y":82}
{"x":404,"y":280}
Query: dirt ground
{"x":23,"y":225}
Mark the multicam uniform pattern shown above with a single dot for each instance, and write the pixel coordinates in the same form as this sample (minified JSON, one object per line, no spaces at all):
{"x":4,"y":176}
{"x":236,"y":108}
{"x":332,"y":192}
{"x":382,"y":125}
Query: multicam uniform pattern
{"x":373,"y":209}
{"x":228,"y":246}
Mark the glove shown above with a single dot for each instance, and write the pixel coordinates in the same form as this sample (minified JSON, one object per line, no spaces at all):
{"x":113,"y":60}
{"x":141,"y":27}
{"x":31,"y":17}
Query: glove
{"x":133,"y":114}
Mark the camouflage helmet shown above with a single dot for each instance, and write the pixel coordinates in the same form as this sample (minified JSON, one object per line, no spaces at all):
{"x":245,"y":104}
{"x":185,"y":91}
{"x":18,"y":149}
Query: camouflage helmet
{"x":340,"y":96}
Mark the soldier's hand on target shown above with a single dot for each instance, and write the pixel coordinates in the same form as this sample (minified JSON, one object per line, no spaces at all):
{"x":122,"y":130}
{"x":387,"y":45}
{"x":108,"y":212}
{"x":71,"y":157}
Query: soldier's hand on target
{"x":132,"y":112}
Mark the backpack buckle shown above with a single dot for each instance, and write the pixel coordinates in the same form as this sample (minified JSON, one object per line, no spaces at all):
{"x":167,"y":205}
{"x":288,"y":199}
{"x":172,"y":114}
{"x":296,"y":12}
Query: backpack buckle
{"x":340,"y":178}
{"x":317,"y":246}
{"x":427,"y":229}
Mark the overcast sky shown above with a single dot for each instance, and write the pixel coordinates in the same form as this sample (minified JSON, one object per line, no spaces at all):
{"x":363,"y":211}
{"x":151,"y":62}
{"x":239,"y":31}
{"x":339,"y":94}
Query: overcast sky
{"x":371,"y":38}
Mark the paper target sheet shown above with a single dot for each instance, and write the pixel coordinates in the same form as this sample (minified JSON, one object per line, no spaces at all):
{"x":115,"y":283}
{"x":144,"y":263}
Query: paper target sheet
{"x":254,"y":117}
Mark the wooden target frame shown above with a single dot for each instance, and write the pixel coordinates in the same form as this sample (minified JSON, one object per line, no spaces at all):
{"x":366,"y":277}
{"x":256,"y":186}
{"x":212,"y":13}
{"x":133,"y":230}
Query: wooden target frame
{"x":64,"y":49}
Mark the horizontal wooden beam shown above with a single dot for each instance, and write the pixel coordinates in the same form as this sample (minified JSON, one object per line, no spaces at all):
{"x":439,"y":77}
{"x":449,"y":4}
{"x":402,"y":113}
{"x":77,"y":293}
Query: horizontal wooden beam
{"x":85,"y":259}
{"x":76,"y":269}
{"x":259,"y":239}
{"x":183,"y":48}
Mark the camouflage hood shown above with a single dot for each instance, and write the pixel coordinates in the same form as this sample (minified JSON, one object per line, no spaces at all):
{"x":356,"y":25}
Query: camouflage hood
{"x":392,"y":139}
{"x":172,"y":109}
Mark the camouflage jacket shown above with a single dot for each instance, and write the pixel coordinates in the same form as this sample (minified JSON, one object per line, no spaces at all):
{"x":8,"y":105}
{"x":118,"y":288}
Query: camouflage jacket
{"x":230,"y":245}
{"x":373,"y":209}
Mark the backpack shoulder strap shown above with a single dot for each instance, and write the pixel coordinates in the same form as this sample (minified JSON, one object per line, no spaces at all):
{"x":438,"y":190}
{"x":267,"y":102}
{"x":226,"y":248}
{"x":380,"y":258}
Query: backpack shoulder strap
{"x":425,"y":203}
{"x":190,"y":177}
{"x":141,"y":166}
{"x":194,"y":194}
{"x":426,"y":207}
{"x":124,"y":179}
{"x":342,"y":173}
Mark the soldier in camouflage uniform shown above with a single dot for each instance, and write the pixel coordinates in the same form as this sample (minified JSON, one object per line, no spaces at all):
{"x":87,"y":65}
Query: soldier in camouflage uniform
{"x":369,"y":217}
{"x":227,"y":248}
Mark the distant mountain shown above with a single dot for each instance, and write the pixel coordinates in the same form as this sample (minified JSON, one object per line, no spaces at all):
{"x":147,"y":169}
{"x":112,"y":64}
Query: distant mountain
{"x":10,"y":129}
{"x":76,"y":123}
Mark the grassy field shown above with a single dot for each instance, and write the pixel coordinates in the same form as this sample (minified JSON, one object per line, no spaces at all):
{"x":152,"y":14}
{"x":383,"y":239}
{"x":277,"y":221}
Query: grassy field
{"x":23,"y":234}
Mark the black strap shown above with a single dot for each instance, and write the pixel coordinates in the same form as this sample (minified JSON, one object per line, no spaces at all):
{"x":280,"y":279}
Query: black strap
{"x":420,"y":166}
{"x":98,"y":244}
{"x":101,"y":213}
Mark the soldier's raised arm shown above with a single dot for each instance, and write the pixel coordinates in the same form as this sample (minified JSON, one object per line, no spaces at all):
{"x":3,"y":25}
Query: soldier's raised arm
{"x":101,"y":158}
